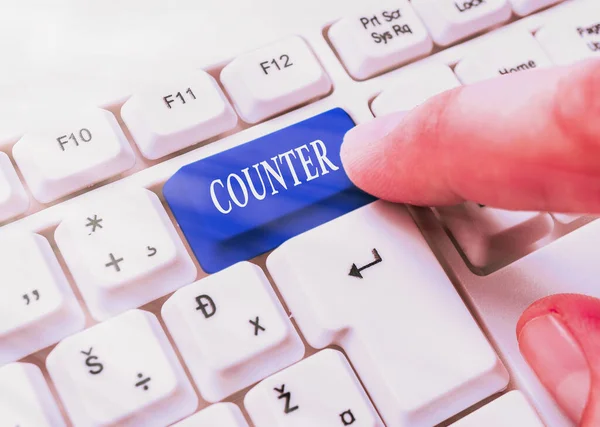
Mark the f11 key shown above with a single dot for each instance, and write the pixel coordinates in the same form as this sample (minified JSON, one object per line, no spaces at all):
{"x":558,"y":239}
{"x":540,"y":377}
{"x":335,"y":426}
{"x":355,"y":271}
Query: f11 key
{"x":248,"y":200}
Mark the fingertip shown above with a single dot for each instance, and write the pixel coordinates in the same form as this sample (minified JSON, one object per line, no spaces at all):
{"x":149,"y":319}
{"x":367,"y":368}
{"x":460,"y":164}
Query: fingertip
{"x":577,"y":103}
{"x":557,"y":335}
{"x":558,"y":304}
{"x":559,"y":362}
{"x":533,"y":133}
{"x":540,"y":307}
{"x":365,"y":139}
{"x":362,"y":150}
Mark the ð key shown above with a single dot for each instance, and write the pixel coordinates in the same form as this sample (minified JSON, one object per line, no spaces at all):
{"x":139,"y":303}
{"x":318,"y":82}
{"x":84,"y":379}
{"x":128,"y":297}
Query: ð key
{"x":379,"y":39}
{"x":511,"y":409}
{"x":37,"y":306}
{"x":72,"y":153}
{"x":218,"y":415}
{"x":25,"y":399}
{"x":274,"y":78}
{"x":504,"y":53}
{"x":231,"y":330}
{"x":319,"y":391}
{"x":121,"y":372}
{"x":177,"y":112}
{"x":245,"y":201}
{"x":369,"y":283}
{"x":123,"y":251}
{"x":449,"y":21}
{"x":13,"y":198}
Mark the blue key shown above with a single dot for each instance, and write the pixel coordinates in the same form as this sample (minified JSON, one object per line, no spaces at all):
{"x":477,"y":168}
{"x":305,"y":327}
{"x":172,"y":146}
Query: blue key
{"x":248,"y":200}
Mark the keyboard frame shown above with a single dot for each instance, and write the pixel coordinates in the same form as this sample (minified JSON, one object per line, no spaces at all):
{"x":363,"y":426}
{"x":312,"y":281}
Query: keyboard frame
{"x":354,"y":97}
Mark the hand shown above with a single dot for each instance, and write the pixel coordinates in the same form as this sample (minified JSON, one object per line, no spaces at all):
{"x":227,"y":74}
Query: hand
{"x":526,"y":141}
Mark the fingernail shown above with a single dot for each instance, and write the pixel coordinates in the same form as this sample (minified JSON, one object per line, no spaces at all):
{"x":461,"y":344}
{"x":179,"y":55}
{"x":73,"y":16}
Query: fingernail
{"x":361,"y":139}
{"x":374,"y":130}
{"x":558,"y":361}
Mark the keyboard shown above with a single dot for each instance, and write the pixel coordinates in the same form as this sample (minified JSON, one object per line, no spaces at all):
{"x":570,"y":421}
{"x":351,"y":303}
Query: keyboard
{"x":180,"y":245}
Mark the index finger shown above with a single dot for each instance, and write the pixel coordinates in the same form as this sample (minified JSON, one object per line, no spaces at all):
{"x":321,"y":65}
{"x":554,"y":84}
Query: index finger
{"x":526,"y":141}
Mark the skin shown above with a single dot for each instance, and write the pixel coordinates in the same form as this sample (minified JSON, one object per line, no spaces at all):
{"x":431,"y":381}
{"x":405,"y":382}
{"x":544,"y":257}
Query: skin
{"x":525,"y":141}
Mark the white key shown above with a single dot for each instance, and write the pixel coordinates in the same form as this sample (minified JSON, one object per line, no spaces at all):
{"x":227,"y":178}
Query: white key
{"x":322,"y":390}
{"x":72,"y":153}
{"x":37,"y":306}
{"x":121,"y":372}
{"x":25,"y":399}
{"x":123,"y":251}
{"x":571,"y":37}
{"x":13,"y":198}
{"x":217,"y":415}
{"x":176,"y":113}
{"x":231,"y":330}
{"x":274,"y":78}
{"x":379,"y":39}
{"x":511,"y":409}
{"x":363,"y":282}
{"x":414,"y":85}
{"x":488,"y":236}
{"x":567,"y":265}
{"x":505,"y":53}
{"x":566,"y":218}
{"x":525,"y":7}
{"x":449,"y":21}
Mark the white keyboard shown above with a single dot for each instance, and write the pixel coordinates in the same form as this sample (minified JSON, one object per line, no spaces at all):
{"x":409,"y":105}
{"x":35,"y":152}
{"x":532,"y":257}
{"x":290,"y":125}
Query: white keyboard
{"x":341,"y":311}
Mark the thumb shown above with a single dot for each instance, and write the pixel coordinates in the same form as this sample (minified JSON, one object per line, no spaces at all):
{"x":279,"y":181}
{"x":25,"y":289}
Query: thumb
{"x":559,"y":337}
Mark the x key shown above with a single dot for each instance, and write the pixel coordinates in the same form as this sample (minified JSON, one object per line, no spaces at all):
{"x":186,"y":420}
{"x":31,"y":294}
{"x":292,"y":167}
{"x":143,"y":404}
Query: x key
{"x":237,"y":305}
{"x":257,"y":325}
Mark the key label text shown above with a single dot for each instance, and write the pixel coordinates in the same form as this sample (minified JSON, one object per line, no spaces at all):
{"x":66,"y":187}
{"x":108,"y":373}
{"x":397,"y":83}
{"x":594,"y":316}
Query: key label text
{"x":529,"y":65}
{"x":463,"y":6}
{"x":235,"y":187}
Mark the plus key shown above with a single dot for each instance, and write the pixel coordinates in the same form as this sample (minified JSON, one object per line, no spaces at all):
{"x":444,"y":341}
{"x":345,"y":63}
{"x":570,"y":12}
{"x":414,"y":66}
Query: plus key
{"x":114,"y":262}
{"x":123,"y":251}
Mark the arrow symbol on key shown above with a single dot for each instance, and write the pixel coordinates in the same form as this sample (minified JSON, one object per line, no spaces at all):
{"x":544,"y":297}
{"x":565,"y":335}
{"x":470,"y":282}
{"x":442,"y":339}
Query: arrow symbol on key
{"x":355,"y":271}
